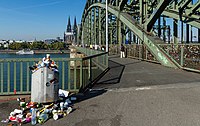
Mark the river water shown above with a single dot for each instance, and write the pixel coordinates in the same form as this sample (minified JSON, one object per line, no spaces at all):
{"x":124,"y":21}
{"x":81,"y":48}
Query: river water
{"x":4,"y":56}
{"x":18,"y":72}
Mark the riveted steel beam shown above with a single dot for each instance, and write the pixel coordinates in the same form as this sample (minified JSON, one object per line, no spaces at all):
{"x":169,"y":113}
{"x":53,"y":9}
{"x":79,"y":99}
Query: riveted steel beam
{"x":122,"y":4}
{"x":148,"y":40}
{"x":156,"y":14}
{"x":193,"y":9}
{"x":183,"y":4}
{"x":186,"y":19}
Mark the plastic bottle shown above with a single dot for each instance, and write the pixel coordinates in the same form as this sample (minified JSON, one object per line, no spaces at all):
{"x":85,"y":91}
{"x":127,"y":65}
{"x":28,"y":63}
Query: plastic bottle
{"x":57,"y":116}
{"x":69,"y":109}
{"x":43,"y":118}
{"x":33,"y":119}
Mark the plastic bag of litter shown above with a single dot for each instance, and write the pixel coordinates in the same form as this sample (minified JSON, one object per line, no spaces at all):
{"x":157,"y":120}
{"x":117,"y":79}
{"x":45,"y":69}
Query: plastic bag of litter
{"x":63,"y":93}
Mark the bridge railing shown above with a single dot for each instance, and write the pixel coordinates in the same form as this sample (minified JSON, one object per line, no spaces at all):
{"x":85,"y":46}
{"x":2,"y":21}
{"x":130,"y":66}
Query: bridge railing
{"x":93,"y":66}
{"x":74,"y":73}
{"x":186,"y":55}
{"x":137,"y":51}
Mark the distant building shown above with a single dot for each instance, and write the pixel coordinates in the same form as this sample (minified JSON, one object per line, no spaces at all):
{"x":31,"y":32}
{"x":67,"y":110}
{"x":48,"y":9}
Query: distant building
{"x":59,"y":39}
{"x":3,"y":41}
{"x":20,"y":41}
{"x":49,"y":41}
{"x":70,"y":35}
{"x":11,"y":41}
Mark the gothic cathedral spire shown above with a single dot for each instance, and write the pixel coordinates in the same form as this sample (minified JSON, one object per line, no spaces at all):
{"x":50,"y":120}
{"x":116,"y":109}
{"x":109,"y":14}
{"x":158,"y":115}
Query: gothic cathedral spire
{"x":75,"y":30}
{"x":69,"y":29}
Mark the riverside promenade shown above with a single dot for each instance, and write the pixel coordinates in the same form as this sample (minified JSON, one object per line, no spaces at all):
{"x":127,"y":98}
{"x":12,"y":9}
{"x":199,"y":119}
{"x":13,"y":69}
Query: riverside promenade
{"x":134,"y":93}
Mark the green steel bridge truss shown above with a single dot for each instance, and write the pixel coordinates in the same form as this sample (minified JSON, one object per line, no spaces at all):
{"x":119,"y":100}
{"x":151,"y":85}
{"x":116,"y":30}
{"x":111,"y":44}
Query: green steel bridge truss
{"x":159,"y":30}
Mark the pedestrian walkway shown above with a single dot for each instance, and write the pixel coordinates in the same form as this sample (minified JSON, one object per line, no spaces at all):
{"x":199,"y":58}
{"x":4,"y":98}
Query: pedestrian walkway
{"x":126,"y":73}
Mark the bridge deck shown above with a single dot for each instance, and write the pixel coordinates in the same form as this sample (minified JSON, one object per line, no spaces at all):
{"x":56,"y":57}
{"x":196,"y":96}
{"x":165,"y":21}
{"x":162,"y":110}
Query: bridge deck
{"x":125,"y":73}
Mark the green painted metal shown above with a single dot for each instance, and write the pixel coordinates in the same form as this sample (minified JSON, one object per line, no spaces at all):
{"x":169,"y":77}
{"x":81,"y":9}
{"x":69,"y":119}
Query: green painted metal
{"x":8,"y":78}
{"x":182,"y":55}
{"x":175,"y":15}
{"x":182,"y":4}
{"x":185,"y":55}
{"x":193,"y":9}
{"x":15,"y":80}
{"x":69,"y":76}
{"x":27,"y":77}
{"x":147,"y":40}
{"x":21,"y":76}
{"x":63,"y":75}
{"x":2,"y":78}
{"x":158,"y":11}
{"x":73,"y":82}
{"x":75,"y":74}
{"x":135,"y":16}
{"x":81,"y":73}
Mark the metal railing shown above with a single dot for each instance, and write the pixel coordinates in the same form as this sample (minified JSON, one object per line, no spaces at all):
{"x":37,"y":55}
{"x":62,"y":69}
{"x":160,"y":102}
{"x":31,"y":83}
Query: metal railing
{"x":74,"y":73}
{"x":186,"y":55}
{"x":137,"y":51}
{"x":93,"y":65}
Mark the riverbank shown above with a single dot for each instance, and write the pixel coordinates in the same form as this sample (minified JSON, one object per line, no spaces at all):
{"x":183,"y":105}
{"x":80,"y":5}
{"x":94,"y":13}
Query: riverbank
{"x":36,"y":51}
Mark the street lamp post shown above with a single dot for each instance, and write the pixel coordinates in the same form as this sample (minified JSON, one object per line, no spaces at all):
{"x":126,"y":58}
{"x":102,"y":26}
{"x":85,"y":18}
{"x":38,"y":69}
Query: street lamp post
{"x":106,"y":25}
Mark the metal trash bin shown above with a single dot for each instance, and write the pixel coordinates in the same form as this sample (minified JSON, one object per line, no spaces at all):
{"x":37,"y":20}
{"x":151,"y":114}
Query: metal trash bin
{"x":42,"y":91}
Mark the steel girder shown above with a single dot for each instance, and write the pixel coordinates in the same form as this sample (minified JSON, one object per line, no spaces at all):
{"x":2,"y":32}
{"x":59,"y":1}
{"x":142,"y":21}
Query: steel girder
{"x":194,"y":8}
{"x":182,"y":12}
{"x":189,"y":20}
{"x":138,"y":31}
{"x":156,"y":14}
{"x":131,"y":12}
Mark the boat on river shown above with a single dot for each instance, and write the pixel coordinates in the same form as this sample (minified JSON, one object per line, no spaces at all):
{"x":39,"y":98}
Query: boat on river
{"x":25,"y":52}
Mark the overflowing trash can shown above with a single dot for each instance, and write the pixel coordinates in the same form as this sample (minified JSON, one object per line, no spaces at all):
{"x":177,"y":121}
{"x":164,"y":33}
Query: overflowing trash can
{"x":45,"y":82}
{"x":45,"y":85}
{"x":47,"y":100}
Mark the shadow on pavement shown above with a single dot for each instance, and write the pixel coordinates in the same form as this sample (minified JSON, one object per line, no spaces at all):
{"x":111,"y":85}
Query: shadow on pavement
{"x":113,"y":76}
{"x":89,"y":94}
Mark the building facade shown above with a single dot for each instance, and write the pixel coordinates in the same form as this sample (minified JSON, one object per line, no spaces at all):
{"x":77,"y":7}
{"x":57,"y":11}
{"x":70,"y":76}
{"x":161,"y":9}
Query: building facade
{"x":70,"y":35}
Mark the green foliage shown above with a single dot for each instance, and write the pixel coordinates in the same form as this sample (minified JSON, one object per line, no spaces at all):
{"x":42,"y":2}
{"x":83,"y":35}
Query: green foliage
{"x":38,"y":45}
{"x":58,"y":45}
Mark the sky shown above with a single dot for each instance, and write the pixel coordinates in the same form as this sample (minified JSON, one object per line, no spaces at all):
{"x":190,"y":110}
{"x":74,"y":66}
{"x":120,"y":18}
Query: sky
{"x":40,"y":19}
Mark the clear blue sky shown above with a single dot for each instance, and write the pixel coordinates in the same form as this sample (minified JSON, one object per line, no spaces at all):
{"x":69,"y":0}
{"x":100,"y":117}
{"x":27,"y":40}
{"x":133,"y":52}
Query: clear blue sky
{"x":40,"y":19}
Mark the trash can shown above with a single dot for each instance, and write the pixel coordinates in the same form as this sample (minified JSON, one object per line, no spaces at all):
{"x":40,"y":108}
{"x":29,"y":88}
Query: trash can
{"x":44,"y":85}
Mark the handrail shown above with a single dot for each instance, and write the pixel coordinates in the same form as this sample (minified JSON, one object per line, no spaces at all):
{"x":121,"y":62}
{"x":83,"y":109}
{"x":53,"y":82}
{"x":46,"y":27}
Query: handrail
{"x":75,"y":73}
{"x":96,"y":55}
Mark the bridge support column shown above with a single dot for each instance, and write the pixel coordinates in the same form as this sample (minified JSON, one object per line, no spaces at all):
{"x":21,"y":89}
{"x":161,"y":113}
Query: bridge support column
{"x":99,"y":16}
{"x":119,"y":34}
{"x":87,"y":31}
{"x":95,"y":27}
{"x":191,"y":35}
{"x":159,"y":28}
{"x":129,"y":37}
{"x":92,"y":27}
{"x":123,"y":33}
{"x":182,"y":32}
{"x":141,"y":11}
{"x":82,"y":35}
{"x":164,"y":29}
{"x":198,"y":35}
{"x":134,"y":38}
{"x":187,"y":33}
{"x":89,"y":27}
{"x":175,"y":31}
{"x":169,"y":33}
